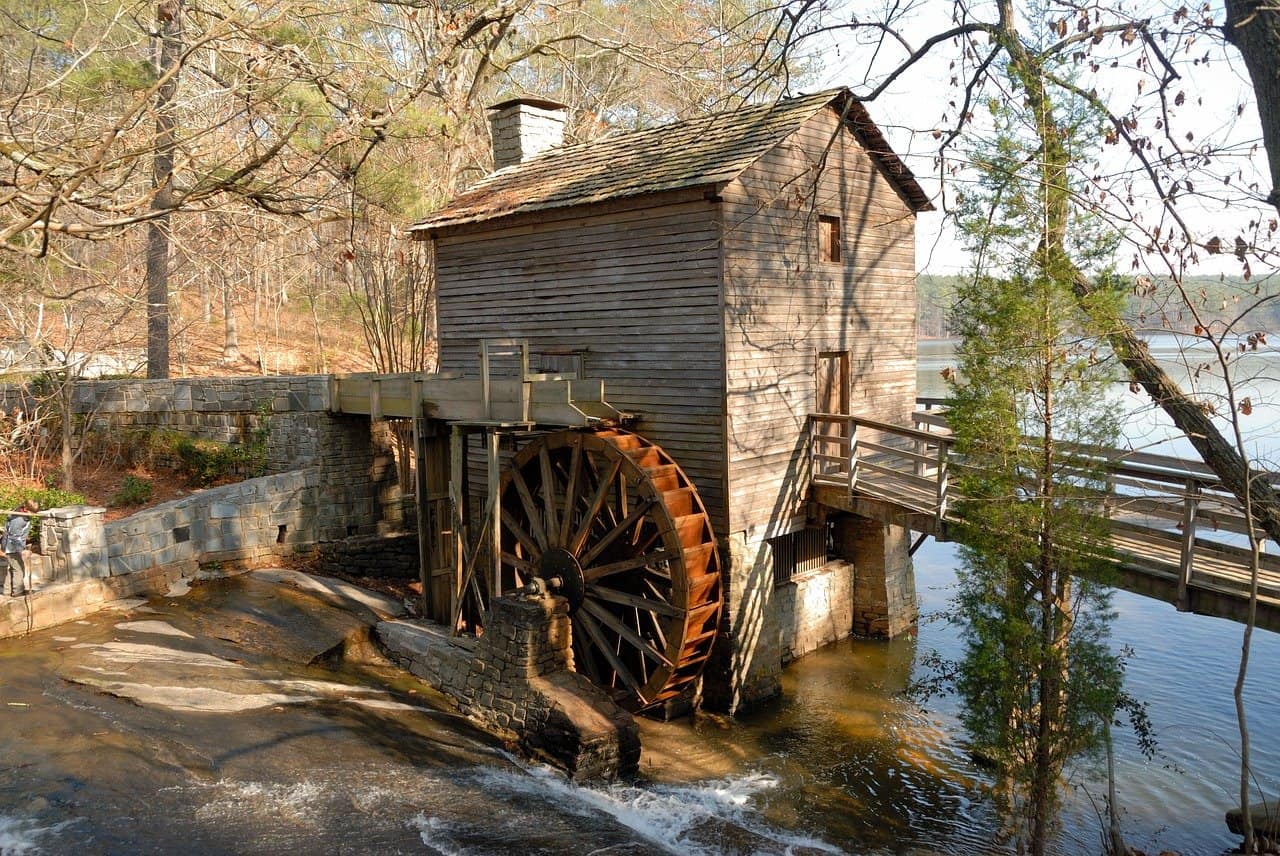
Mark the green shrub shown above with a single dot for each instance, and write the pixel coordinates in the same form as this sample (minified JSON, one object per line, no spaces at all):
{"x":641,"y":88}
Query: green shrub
{"x":205,"y":461}
{"x":133,"y":491}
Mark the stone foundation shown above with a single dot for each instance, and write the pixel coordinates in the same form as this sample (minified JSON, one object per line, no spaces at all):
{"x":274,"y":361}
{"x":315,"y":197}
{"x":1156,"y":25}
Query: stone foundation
{"x":746,"y":661}
{"x":815,"y":609}
{"x":517,"y":681}
{"x":869,"y":590}
{"x":884,"y":590}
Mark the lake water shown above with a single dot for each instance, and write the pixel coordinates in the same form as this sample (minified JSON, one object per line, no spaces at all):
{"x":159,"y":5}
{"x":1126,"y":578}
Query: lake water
{"x":357,"y":759}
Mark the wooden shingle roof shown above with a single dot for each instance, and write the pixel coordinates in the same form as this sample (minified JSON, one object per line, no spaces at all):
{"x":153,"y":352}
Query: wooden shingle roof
{"x":712,"y":150}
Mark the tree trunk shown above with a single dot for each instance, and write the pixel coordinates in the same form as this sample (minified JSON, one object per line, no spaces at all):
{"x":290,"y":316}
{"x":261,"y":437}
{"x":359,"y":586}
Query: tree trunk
{"x":1194,"y":421}
{"x":68,"y":458}
{"x":168,"y":15}
{"x":231,"y":331}
{"x":1253,"y":26}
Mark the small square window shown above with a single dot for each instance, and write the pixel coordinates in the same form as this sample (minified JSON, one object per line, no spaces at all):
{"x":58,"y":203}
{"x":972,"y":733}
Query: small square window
{"x":828,"y":238}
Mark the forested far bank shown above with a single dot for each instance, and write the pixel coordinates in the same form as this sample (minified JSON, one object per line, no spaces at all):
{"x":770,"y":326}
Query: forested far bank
{"x":1220,"y":301}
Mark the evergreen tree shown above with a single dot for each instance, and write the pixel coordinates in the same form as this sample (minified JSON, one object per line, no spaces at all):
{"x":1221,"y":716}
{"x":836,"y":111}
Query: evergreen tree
{"x":1038,"y":680}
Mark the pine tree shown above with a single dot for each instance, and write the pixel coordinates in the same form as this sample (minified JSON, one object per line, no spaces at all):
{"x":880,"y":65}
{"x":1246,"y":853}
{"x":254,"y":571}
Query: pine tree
{"x":1039,"y":682}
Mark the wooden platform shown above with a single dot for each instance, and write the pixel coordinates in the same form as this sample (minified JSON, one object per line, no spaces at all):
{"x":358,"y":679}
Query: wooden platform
{"x":1171,"y":520}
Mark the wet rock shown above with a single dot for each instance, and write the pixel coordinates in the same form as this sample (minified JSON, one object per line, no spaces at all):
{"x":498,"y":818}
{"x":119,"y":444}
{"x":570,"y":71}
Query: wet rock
{"x":1266,"y":820}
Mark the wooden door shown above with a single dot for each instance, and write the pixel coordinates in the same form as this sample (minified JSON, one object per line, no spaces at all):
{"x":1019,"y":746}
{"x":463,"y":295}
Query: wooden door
{"x":831,"y":395}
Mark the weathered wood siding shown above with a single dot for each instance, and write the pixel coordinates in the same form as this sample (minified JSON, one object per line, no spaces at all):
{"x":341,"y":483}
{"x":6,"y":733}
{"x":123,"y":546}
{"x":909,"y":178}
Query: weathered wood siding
{"x":635,"y":283}
{"x":783,"y":306}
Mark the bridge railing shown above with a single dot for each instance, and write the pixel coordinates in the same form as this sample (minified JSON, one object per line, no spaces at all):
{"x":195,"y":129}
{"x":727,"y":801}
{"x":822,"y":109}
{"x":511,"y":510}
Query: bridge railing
{"x":883,"y":459}
{"x":1165,"y":505}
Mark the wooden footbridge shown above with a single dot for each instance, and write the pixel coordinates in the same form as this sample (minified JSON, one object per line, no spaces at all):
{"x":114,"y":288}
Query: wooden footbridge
{"x":1172,"y":522}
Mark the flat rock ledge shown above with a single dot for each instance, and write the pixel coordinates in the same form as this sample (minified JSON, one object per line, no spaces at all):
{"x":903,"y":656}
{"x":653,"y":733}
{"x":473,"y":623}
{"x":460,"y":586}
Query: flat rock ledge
{"x":517,"y":682}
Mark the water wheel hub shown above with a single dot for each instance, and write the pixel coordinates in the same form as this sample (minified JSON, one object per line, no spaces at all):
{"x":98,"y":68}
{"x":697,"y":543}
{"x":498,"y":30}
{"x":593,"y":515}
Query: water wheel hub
{"x":563,"y":574}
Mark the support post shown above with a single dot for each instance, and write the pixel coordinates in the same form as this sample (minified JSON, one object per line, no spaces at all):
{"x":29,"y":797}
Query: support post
{"x":943,"y":486}
{"x":1190,"y":508}
{"x":421,"y":499}
{"x":486,"y":391}
{"x":457,"y":497}
{"x":495,"y":509}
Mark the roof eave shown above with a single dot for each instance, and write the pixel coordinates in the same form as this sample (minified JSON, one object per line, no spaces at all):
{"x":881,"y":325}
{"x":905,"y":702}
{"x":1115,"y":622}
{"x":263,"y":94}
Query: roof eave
{"x":430,"y":228}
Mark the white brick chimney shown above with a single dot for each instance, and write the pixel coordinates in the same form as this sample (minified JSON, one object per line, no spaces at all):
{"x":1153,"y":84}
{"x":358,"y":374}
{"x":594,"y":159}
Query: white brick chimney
{"x":523,"y":127}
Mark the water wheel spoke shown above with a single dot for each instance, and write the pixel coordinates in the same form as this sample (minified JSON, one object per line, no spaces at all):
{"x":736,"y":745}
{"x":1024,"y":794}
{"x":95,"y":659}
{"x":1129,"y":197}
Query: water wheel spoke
{"x":644,"y":604}
{"x":612,"y":535}
{"x":571,"y":492}
{"x":654,"y":618}
{"x":583,"y":659}
{"x":619,"y":668}
{"x":594,"y":508}
{"x":636,"y":641}
{"x":530,"y":509}
{"x":518,"y":563}
{"x":599,"y":572}
{"x":548,"y":491}
{"x":526,"y":540}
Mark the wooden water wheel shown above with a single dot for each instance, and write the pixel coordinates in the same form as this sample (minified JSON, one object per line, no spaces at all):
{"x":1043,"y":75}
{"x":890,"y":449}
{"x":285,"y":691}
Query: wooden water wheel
{"x":612,"y":523}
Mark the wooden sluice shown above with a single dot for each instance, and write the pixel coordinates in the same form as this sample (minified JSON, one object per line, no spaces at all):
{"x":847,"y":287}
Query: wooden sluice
{"x":507,"y":397}
{"x":1171,"y":520}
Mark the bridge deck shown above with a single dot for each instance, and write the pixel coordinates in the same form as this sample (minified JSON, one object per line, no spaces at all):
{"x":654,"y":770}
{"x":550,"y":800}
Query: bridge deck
{"x":1171,"y":522}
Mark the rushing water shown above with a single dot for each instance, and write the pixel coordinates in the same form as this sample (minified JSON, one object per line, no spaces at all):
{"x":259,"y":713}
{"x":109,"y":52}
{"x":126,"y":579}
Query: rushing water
{"x":148,"y":733}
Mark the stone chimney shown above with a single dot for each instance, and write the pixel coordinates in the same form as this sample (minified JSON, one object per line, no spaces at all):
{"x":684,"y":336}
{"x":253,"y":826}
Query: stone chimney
{"x":523,"y":127}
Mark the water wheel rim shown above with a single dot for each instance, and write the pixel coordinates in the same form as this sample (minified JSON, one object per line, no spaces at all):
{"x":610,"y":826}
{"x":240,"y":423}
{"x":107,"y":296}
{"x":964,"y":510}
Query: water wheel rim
{"x":621,"y":513}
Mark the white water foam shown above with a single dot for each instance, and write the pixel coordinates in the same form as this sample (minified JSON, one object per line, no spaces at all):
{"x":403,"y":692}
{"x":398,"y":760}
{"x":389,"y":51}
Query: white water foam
{"x":669,"y":816}
{"x":298,"y":802}
{"x":434,"y":833}
{"x":21,"y":835}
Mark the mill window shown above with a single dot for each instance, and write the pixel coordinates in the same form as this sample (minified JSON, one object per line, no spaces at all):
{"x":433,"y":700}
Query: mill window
{"x":798,"y":553}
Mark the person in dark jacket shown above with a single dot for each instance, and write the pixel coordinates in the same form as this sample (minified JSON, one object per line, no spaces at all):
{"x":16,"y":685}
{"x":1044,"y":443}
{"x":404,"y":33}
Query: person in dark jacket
{"x":16,"y":530}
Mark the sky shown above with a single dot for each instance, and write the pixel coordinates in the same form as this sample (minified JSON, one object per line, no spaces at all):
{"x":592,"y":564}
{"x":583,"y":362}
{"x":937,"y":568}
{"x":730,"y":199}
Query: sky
{"x":910,"y":110}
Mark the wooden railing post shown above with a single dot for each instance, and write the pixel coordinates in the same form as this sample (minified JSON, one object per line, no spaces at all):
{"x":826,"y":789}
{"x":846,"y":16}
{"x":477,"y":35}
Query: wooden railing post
{"x":943,"y":485}
{"x":853,"y":454}
{"x":1190,"y":507}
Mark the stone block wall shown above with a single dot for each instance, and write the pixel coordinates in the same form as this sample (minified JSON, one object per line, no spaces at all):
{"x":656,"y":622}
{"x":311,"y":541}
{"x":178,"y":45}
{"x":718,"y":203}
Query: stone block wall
{"x":884,"y":591}
{"x":746,"y":664}
{"x":243,"y":525}
{"x":517,"y":680}
{"x":357,"y":472}
{"x":392,"y":556}
{"x":868,"y":591}
{"x":815,"y":609}
{"x":223,"y":409}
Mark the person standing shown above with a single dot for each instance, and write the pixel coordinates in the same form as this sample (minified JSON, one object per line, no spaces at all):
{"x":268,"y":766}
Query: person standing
{"x":16,"y":530}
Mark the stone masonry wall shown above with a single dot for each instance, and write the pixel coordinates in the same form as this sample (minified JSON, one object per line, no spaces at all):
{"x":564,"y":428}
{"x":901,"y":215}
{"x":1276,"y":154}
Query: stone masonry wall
{"x":746,"y":664}
{"x":222,"y":409}
{"x":815,"y":609}
{"x":88,"y":562}
{"x":393,"y":556}
{"x":869,"y":591}
{"x":517,"y":680}
{"x":354,"y":457}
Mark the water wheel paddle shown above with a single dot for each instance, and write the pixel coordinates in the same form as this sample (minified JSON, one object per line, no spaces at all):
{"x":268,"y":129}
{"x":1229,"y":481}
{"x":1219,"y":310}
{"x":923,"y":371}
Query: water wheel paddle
{"x":614,"y":525}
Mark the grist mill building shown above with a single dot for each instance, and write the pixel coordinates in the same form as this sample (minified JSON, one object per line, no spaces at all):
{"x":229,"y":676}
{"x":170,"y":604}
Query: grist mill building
{"x":725,"y":277}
